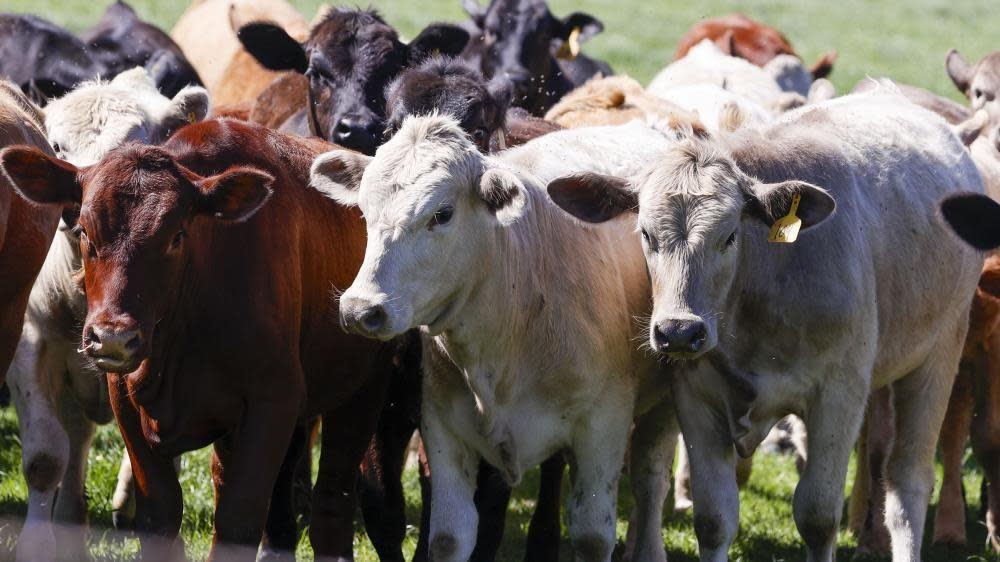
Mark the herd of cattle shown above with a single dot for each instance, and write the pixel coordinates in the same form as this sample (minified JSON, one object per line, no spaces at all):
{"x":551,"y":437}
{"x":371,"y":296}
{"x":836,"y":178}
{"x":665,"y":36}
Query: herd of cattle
{"x":486,"y":235}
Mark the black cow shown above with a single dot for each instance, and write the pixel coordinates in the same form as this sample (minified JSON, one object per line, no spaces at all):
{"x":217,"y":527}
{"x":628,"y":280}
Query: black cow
{"x":48,"y":61}
{"x":350,"y":57}
{"x":121,"y":41}
{"x":520,"y":39}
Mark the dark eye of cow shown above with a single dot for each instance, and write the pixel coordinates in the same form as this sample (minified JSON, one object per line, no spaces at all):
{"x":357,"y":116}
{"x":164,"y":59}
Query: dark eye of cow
{"x":977,"y":93}
{"x":730,"y":241}
{"x":56,"y":148}
{"x":479,"y":135}
{"x":441,"y":217}
{"x":177,"y":241}
{"x":88,"y":247}
{"x":650,"y":242}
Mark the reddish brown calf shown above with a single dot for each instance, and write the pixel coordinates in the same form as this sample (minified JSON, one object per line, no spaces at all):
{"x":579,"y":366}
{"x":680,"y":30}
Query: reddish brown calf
{"x":26,"y":230}
{"x":209,"y":267}
{"x":740,"y":36}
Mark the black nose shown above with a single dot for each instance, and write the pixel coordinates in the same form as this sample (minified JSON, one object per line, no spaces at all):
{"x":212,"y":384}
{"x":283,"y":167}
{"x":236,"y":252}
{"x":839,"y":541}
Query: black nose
{"x":357,"y":133}
{"x":680,"y":336}
{"x":372,"y":319}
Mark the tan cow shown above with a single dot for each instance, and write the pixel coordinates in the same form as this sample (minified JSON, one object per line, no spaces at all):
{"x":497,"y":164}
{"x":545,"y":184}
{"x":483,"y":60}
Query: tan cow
{"x":206,"y":32}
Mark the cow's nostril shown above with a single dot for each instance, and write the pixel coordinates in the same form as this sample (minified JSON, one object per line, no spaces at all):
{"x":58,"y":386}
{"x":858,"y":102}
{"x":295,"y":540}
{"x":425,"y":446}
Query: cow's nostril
{"x":373,"y":318}
{"x":660,"y":338}
{"x":698,"y":337}
{"x":132,"y":343}
{"x":92,"y":337}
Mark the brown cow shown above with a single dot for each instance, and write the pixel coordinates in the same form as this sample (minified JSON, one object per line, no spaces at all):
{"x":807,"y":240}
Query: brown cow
{"x":740,"y":36}
{"x":26,"y":230}
{"x":209,"y":265}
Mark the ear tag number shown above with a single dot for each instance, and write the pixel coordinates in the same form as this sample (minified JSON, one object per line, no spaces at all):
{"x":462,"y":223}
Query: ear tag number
{"x":192,"y":117}
{"x":570,"y":48}
{"x":786,"y":229}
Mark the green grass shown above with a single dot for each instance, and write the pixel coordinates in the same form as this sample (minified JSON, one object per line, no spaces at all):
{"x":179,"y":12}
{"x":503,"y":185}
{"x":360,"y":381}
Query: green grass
{"x":906,"y":40}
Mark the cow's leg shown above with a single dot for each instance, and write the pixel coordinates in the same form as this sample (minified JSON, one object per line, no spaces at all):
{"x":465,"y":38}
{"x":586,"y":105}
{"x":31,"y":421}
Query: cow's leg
{"x":245,"y":469}
{"x":949,"y":522}
{"x":421,"y":553}
{"x":44,"y":442}
{"x":454,"y":520}
{"x":545,"y":530}
{"x":347,"y":431}
{"x":986,"y":437}
{"x":873,"y":536}
{"x":281,"y":532}
{"x":652,"y":450}
{"x":713,"y":473}
{"x":491,"y":498}
{"x":598,"y":449}
{"x":381,"y":487}
{"x":159,"y":502}
{"x":682,"y":478}
{"x":834,"y":417}
{"x":70,"y":514}
{"x":921,"y":399}
{"x":123,"y":500}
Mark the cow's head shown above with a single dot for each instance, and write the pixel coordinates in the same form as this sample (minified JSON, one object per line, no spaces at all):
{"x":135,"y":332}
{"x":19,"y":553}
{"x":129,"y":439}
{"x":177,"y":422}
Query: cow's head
{"x":517,"y":41}
{"x":350,"y":57}
{"x":980,"y":82}
{"x":694,"y":207}
{"x":433,"y":205}
{"x":88,"y":122}
{"x":137,"y":209}
{"x":450,"y":87}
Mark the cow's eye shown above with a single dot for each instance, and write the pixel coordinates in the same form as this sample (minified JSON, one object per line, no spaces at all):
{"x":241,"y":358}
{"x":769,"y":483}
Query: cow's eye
{"x":730,"y":241}
{"x":650,"y":241}
{"x":56,"y":148}
{"x":977,"y":93}
{"x":479,"y":135}
{"x":441,"y":217}
{"x":88,"y":247}
{"x":177,"y":241}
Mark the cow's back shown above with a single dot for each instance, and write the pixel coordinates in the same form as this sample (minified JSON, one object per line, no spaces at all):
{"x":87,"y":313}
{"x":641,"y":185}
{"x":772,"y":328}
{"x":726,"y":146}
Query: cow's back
{"x":887,"y":163}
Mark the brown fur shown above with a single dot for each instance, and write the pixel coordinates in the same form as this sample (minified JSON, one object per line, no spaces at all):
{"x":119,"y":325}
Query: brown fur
{"x":280,"y":100}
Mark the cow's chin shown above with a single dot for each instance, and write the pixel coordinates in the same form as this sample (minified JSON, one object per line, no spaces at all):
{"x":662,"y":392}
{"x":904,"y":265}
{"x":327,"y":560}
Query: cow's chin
{"x":441,"y":318}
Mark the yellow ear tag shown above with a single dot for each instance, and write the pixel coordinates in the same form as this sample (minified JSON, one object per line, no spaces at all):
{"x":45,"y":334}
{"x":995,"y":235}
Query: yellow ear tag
{"x":192,"y":117}
{"x":786,"y":229}
{"x":570,"y":48}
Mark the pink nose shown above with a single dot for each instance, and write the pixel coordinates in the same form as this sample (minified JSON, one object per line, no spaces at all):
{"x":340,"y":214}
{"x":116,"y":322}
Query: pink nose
{"x":111,"y":347}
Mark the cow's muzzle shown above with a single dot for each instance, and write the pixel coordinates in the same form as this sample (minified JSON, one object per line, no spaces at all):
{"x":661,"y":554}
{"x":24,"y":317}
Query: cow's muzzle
{"x":682,"y":338}
{"x":113,"y":348}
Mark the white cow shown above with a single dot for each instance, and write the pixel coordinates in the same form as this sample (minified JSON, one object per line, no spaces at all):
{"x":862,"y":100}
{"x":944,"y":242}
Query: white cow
{"x":529,"y":343}
{"x":58,"y":395}
{"x":874,"y":294}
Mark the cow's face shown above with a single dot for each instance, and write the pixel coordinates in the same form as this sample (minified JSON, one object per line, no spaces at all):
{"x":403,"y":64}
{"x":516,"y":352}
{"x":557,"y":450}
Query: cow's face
{"x":449,"y":87}
{"x":90,"y":121}
{"x":432,"y":210}
{"x":980,"y":82}
{"x":137,"y":208}
{"x":350,"y":57}
{"x":518,"y":38}
{"x":694,"y":207}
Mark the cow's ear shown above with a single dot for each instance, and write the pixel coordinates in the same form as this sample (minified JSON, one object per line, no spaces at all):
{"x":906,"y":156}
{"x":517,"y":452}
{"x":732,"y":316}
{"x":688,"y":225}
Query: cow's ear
{"x":593,"y":197}
{"x":236,"y":194}
{"x":975,"y":218}
{"x":190,"y":105}
{"x":273,"y":47}
{"x":504,"y":194}
{"x":588,"y":25}
{"x":437,"y":39}
{"x":337,"y":175}
{"x":40,"y":178}
{"x":769,"y":202}
{"x":959,"y":70}
{"x":475,"y":11}
{"x":824,"y":66}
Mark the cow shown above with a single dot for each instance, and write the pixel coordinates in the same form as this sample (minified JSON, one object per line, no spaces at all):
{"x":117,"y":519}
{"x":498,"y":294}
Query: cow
{"x":706,"y":65}
{"x":980,"y":83}
{"x":616,"y":100}
{"x":173,"y":240}
{"x":58,"y":394}
{"x":48,"y":61}
{"x":121,"y":41}
{"x":206,"y":31}
{"x":25,"y":230}
{"x":349,"y":57}
{"x":538,"y":52}
{"x":833,"y":314}
{"x":739,"y":36}
{"x":489,"y":390}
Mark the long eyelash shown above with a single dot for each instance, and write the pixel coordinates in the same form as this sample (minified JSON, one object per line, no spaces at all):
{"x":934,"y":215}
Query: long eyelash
{"x":76,"y":230}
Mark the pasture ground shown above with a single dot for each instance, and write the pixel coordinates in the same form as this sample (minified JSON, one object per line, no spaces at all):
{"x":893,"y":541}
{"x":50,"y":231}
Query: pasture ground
{"x":906,"y":40}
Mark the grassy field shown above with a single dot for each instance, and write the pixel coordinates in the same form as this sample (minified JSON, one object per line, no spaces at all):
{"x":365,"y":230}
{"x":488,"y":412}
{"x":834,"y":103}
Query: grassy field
{"x":906,"y":40}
